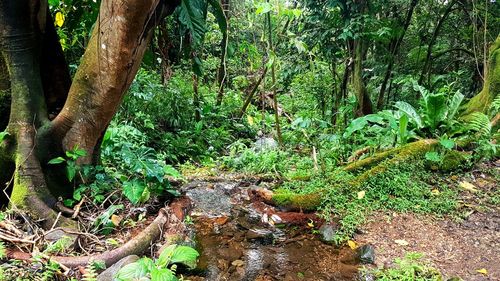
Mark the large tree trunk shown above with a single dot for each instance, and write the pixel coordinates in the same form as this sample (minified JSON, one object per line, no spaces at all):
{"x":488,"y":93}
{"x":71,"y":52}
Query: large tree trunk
{"x":30,"y":50}
{"x":491,"y":88}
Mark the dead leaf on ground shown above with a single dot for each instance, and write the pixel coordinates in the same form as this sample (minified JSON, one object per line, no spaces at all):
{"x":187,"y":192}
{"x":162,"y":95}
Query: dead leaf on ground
{"x":468,"y":186}
{"x":401,"y":242}
{"x":483,"y":271}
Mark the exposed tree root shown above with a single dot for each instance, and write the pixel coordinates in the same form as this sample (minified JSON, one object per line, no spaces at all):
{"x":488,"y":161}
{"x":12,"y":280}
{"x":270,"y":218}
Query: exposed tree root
{"x":174,"y":214}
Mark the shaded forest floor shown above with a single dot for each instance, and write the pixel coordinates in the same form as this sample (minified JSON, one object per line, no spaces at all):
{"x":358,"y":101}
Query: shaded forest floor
{"x":457,"y":245}
{"x":240,"y":237}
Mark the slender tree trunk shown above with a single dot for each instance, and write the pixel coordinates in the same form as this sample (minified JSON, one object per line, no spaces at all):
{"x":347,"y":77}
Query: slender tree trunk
{"x":252,"y":93}
{"x":222,"y":71}
{"x":273,"y":76}
{"x":394,"y":53}
{"x":196,"y":99}
{"x":364,"y":103}
{"x":427,"y":63}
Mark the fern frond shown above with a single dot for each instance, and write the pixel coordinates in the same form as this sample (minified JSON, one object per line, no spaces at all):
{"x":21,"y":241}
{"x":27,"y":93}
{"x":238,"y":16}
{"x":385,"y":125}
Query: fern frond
{"x":495,"y":105}
{"x":480,"y":123}
{"x":90,"y":273}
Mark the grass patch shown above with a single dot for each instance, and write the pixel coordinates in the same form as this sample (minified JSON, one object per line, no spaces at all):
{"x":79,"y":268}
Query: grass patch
{"x":411,"y":268}
{"x":409,"y":187}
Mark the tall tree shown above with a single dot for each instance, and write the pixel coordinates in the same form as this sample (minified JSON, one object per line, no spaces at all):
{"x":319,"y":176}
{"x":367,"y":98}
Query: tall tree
{"x":111,"y":60}
{"x":222,"y":71}
{"x":395,"y":45}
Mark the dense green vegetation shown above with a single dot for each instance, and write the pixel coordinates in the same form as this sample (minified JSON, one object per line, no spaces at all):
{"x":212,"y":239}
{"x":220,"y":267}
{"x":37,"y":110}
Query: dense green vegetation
{"x":349,"y":106}
{"x":416,"y":75}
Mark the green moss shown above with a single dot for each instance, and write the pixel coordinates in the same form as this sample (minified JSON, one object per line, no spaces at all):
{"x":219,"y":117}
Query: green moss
{"x":19,"y":193}
{"x":393,"y":158}
{"x":491,"y":88}
{"x":454,"y":160}
{"x":305,"y":202}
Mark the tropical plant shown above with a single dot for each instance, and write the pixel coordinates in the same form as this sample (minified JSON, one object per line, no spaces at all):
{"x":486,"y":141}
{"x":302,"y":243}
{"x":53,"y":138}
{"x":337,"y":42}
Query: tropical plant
{"x":437,"y":113}
{"x":161,"y":269}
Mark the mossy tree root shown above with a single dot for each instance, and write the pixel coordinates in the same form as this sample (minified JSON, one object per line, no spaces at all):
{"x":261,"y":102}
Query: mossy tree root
{"x":388,"y":159}
{"x":481,"y":102}
{"x":367,"y":168}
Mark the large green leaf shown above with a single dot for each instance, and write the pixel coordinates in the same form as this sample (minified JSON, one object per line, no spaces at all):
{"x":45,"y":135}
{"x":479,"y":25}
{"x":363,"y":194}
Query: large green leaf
{"x":356,"y":125}
{"x":403,"y":128}
{"x":435,"y":109}
{"x":453,"y":105}
{"x":185,"y":255}
{"x":409,"y":110}
{"x":162,"y":274}
{"x":132,"y":271}
{"x":191,"y":14}
{"x":134,"y":190}
{"x":166,"y":256}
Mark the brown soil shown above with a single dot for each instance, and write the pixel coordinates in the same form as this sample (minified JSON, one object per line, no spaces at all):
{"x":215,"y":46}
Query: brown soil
{"x":456,"y":248}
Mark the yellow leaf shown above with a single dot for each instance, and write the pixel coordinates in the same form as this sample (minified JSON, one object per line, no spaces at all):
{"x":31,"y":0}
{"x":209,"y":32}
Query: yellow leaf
{"x":483,"y":271}
{"x":250,"y":120}
{"x":468,"y":186}
{"x":310,"y":224}
{"x":361,"y":194}
{"x":59,"y":19}
{"x":401,"y":242}
{"x":352,"y":244}
{"x":435,"y":192}
{"x":116,"y":220}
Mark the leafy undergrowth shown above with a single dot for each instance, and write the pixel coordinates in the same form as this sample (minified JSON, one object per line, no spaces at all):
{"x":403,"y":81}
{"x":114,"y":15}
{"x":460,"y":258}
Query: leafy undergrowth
{"x":412,"y":268}
{"x":409,"y":186}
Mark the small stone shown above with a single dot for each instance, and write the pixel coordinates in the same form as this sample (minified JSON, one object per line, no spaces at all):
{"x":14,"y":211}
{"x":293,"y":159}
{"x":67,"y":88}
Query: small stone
{"x":264,"y":144}
{"x":264,"y":236}
{"x":327,"y":232}
{"x":109,"y":274}
{"x":366,"y":254}
{"x":58,"y":234}
{"x":238,"y":263}
{"x":276,"y":219}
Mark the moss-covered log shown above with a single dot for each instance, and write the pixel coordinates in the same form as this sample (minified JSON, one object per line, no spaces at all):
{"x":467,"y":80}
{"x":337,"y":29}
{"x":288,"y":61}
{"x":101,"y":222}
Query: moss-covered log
{"x":491,"y":88}
{"x":363,"y":169}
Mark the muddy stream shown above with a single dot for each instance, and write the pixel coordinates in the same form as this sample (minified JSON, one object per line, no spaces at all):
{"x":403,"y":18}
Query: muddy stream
{"x":242,"y":238}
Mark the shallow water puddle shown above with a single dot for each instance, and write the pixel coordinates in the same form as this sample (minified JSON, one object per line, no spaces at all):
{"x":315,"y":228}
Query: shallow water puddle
{"x":243,"y":239}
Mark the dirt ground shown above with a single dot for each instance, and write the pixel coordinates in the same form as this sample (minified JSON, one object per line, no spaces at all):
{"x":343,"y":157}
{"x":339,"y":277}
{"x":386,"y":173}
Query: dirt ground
{"x":457,"y":247}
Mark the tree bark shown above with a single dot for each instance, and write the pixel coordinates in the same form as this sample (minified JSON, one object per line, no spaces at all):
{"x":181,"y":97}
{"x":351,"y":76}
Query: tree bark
{"x":364,"y":103}
{"x":222,"y":71}
{"x":481,"y":102}
{"x":39,"y":78}
{"x":4,"y":95}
